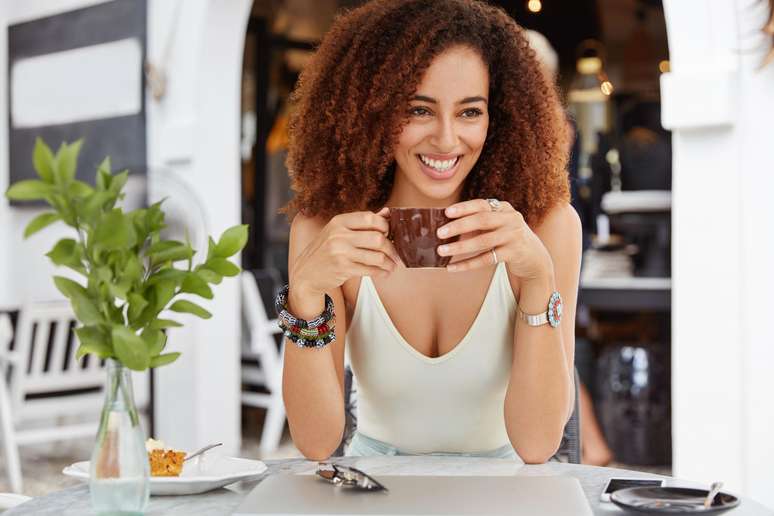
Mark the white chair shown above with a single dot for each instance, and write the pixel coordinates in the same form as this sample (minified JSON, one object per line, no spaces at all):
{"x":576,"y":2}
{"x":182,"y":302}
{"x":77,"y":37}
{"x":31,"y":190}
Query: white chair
{"x":43,"y":382}
{"x":261,"y":347}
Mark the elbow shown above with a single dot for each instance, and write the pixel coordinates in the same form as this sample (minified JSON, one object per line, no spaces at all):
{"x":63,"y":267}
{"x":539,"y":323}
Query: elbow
{"x":319,"y":448}
{"x":317,"y":453}
{"x":534,"y":455}
{"x":538,"y":450}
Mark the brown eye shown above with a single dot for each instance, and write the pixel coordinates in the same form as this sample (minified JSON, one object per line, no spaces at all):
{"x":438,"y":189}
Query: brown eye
{"x":472,"y":113}
{"x":419,"y":111}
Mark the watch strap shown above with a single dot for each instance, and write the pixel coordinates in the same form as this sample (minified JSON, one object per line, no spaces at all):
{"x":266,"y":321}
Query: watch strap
{"x":552,"y":316}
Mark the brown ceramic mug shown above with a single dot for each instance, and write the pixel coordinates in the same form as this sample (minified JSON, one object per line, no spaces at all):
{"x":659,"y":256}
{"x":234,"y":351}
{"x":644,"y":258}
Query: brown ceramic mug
{"x":413,"y":231}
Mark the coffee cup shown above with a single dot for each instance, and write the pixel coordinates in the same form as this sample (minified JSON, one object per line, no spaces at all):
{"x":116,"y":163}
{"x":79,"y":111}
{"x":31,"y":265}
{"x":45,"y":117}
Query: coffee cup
{"x":413,"y":232}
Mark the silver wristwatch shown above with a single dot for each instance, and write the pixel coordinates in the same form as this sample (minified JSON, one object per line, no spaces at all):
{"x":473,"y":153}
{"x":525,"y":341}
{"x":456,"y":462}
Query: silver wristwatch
{"x":552,"y":316}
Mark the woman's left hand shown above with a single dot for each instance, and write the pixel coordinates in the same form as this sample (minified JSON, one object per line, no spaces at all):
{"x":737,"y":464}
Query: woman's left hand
{"x":503,"y":230}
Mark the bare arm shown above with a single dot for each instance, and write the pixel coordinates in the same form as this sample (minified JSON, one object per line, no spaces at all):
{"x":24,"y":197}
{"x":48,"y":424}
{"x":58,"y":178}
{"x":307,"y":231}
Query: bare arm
{"x":321,"y":258}
{"x":541,"y":392}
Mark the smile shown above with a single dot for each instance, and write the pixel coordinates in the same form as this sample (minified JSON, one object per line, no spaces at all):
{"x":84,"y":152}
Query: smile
{"x":439,"y":168}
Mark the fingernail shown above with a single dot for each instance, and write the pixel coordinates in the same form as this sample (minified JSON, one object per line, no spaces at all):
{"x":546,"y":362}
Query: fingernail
{"x":443,"y":232}
{"x":443,"y":249}
{"x":451,"y":211}
{"x":451,"y":268}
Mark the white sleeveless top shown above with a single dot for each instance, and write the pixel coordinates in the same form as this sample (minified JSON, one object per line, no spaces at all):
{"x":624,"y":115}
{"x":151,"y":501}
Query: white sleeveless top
{"x":452,"y":403}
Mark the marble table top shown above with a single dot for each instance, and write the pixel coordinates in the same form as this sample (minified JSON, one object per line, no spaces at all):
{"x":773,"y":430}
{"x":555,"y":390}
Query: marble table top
{"x":75,"y":501}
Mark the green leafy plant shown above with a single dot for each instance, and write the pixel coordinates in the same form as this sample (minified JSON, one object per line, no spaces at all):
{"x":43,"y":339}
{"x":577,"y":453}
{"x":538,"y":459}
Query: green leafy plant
{"x":129,"y":270}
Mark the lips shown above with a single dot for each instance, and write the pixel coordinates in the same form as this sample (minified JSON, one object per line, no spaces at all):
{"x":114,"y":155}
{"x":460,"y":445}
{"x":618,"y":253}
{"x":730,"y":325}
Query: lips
{"x":437,"y":175}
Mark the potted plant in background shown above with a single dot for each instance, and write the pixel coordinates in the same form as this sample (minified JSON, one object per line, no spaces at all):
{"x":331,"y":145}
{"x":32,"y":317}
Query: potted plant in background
{"x":129,"y":281}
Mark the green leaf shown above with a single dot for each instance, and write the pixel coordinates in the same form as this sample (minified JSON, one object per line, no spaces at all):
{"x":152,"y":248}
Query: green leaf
{"x":43,"y":161}
{"x":133,"y":269}
{"x":119,"y":290}
{"x":174,"y":275}
{"x":137,"y":304}
{"x":130,"y":349}
{"x":231,"y":241}
{"x":41,"y":221}
{"x":160,"y":324}
{"x":104,"y":177}
{"x":164,"y":292}
{"x":155,"y":340}
{"x":223,"y":267}
{"x":104,"y":273}
{"x":67,"y":252}
{"x":79,"y":189}
{"x":118,"y":181}
{"x":169,"y":250}
{"x":67,"y":162}
{"x":193,"y":284}
{"x":209,"y":276}
{"x":211,"y":245}
{"x":161,"y":360}
{"x":69,"y":288}
{"x":155,"y":218}
{"x":188,"y":307}
{"x":85,"y":310}
{"x":29,"y":190}
{"x":93,"y":340}
{"x":94,"y":203}
{"x":114,"y":231}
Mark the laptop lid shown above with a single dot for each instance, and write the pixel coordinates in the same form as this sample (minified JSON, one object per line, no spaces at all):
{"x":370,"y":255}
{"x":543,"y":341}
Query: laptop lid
{"x":419,"y":495}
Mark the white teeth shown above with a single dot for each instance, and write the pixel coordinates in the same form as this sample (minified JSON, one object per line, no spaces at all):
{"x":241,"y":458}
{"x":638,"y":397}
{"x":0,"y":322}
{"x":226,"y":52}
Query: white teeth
{"x":440,"y":166}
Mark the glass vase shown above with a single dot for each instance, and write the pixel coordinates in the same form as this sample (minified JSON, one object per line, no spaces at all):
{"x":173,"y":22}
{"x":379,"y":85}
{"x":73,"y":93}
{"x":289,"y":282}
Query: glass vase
{"x":119,"y":469}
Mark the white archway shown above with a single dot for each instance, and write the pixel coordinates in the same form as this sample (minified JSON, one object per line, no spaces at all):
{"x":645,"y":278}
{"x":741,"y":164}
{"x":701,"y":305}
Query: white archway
{"x":194,"y":131}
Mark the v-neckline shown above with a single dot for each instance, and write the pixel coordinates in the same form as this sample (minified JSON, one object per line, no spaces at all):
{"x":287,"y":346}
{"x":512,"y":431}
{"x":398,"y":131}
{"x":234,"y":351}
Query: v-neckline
{"x":411,"y":349}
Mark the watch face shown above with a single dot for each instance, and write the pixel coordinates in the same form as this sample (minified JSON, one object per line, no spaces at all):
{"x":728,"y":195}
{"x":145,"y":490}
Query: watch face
{"x":555,"y":310}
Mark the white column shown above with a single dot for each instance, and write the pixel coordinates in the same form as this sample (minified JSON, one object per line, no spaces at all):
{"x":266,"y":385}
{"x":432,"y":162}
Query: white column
{"x":193,"y":132}
{"x":719,"y":107}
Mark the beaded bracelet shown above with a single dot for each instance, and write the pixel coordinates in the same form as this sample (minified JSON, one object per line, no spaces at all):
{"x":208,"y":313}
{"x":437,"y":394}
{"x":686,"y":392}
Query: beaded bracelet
{"x":316,"y":333}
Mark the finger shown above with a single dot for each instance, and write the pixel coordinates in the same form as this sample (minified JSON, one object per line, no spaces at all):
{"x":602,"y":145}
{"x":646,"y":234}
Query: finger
{"x":374,"y":240}
{"x":480,"y":243}
{"x":463,"y":208}
{"x":373,"y":259}
{"x":485,"y":259}
{"x":364,"y":220}
{"x":485,"y":221}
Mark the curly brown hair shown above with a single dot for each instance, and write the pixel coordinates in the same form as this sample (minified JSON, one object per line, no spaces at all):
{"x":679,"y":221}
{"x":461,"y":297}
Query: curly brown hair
{"x":350,"y":106}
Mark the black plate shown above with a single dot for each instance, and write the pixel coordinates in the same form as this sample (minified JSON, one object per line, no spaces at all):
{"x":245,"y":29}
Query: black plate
{"x":671,"y":500}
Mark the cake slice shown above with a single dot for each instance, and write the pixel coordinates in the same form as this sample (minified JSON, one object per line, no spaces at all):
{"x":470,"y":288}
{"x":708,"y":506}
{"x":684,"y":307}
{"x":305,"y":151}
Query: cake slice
{"x":164,"y":462}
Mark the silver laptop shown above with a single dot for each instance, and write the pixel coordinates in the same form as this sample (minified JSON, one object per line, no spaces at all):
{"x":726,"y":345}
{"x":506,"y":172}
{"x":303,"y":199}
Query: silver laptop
{"x":419,"y":495}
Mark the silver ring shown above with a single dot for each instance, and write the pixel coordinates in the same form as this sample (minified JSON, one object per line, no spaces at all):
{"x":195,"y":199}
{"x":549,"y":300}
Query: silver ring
{"x":494,"y":204}
{"x":494,"y":255}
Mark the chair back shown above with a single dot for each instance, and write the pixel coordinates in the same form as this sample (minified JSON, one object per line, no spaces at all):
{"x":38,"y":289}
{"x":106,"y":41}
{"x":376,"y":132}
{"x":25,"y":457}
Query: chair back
{"x":44,"y":353}
{"x":261,"y":344}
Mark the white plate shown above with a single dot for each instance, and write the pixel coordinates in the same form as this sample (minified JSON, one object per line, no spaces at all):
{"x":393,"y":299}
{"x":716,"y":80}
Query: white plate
{"x":205,"y":473}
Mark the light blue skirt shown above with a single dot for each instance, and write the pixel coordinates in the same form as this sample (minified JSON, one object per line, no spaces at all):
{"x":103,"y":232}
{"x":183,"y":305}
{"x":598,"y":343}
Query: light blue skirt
{"x":364,"y":446}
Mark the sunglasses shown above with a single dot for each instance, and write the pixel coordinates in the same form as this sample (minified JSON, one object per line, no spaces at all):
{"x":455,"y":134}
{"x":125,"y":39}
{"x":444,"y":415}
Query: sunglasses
{"x":347,"y":476}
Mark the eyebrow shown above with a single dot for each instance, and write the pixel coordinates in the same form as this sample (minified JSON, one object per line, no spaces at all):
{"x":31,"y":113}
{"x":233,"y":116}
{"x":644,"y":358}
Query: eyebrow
{"x":466,"y":100}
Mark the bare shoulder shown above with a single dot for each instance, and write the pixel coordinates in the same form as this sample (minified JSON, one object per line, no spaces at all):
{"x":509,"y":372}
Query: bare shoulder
{"x":304,"y":229}
{"x":560,"y":223}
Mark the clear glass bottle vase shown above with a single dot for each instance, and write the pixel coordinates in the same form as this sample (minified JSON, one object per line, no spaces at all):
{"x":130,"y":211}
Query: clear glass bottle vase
{"x":119,"y":469}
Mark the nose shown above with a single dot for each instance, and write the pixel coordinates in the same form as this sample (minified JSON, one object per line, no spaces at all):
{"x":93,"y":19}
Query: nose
{"x":444,"y":137}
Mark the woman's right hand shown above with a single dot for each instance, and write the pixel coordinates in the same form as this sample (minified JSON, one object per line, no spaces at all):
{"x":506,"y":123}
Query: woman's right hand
{"x":350,"y":244}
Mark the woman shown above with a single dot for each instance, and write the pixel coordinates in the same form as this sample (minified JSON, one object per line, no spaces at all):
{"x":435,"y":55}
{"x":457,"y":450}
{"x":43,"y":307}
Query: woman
{"x":430,"y":103}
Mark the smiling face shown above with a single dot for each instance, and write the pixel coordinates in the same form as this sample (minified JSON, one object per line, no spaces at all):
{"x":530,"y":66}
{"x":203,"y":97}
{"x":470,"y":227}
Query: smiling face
{"x":446,"y":130}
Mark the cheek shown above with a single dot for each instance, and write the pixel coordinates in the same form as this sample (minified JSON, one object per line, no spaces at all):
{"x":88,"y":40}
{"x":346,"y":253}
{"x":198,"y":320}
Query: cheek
{"x":475,"y":135}
{"x":411,"y":136}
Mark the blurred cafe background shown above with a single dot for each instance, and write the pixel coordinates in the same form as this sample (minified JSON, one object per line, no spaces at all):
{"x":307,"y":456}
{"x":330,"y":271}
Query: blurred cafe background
{"x":671,"y":170}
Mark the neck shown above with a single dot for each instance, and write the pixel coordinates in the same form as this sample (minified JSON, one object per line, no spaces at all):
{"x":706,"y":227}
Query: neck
{"x":405,"y":195}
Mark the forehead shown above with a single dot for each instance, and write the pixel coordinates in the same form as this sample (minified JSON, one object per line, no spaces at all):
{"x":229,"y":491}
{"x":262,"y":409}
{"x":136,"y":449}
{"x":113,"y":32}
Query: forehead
{"x":455,"y":73}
